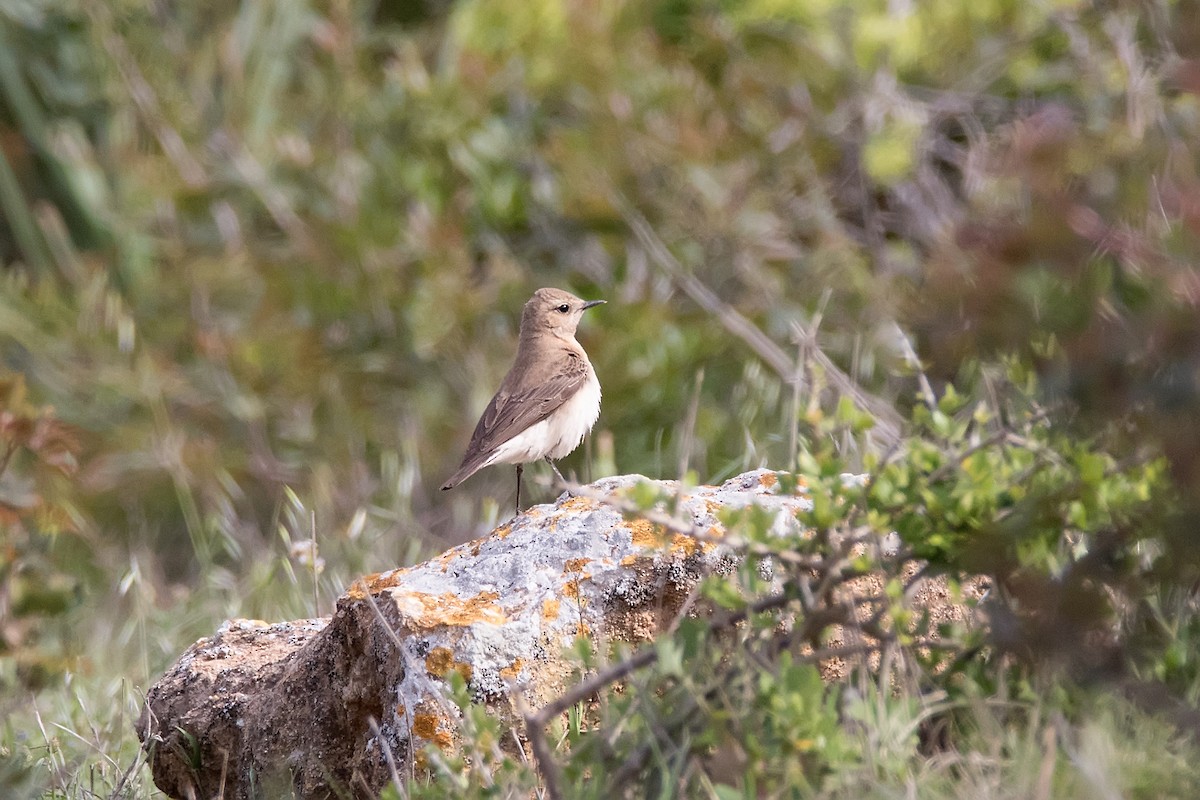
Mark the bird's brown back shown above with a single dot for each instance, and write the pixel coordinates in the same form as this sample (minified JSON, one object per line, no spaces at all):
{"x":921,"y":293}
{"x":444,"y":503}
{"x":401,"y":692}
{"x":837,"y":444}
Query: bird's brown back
{"x":550,"y":367}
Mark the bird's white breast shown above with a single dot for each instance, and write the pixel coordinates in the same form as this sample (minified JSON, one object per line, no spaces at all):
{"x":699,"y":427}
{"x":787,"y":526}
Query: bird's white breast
{"x":559,"y":433}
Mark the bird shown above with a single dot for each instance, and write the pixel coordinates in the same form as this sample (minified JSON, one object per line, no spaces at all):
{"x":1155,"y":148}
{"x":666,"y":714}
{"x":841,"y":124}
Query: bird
{"x":548,"y":401}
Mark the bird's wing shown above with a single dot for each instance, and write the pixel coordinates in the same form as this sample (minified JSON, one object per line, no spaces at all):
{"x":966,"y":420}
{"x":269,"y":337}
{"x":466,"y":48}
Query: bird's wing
{"x":511,"y":412}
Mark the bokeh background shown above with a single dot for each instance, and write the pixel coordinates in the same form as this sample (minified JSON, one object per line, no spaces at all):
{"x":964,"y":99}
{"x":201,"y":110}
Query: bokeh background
{"x":263,"y":264}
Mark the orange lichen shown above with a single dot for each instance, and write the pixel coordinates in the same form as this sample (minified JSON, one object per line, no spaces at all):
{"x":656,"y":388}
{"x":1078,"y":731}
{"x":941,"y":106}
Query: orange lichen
{"x":502,"y":532}
{"x":374,"y":583}
{"x":550,"y":609}
{"x":571,"y":590}
{"x":424,"y":610}
{"x":646,"y":534}
{"x":686,"y":544}
{"x":768,"y":479}
{"x":649,"y":535}
{"x":513,"y":669}
{"x":579,"y":504}
{"x":440,"y":661}
{"x":629,"y":561}
{"x":575,"y":564}
{"x":428,"y":726}
{"x":425,"y":725}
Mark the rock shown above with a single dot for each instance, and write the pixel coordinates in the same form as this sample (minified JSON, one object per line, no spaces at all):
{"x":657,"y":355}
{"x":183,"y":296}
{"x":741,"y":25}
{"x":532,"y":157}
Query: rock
{"x":330,"y":707}
{"x":320,"y":707}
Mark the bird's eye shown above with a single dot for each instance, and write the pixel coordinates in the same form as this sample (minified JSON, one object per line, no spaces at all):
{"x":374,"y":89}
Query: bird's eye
{"x":564,"y":308}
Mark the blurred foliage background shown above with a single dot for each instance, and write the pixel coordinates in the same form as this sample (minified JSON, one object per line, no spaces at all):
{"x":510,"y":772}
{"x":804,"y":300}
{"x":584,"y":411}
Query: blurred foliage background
{"x":263,"y":264}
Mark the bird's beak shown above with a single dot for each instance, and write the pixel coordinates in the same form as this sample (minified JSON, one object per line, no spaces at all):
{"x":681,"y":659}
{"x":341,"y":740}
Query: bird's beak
{"x":591,"y":303}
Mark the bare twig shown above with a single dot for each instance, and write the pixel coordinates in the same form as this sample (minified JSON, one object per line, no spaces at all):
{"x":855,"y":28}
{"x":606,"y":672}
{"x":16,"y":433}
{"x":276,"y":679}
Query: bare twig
{"x":387,"y":755}
{"x":536,"y":721}
{"x":804,"y":336}
{"x":689,"y":426}
{"x":585,"y":689}
{"x":276,"y":202}
{"x":914,"y":362}
{"x":316,"y":575}
{"x":887,"y":419}
{"x":387,"y":626}
{"x":643,"y":658}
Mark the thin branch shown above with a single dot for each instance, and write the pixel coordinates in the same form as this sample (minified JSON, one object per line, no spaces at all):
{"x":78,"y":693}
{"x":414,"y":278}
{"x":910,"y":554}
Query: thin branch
{"x":689,"y":426}
{"x":585,"y":689}
{"x":643,"y":658}
{"x":386,"y":748}
{"x":804,"y":336}
{"x":251,"y":170}
{"x":887,"y":419}
{"x":914,"y":362}
{"x":535,"y":723}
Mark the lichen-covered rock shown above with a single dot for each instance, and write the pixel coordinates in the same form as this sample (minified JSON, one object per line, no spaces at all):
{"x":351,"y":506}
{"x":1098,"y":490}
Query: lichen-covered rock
{"x":320,"y":707}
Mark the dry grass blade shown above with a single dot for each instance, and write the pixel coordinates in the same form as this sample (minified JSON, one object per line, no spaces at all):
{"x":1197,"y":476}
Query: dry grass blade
{"x":146,"y":101}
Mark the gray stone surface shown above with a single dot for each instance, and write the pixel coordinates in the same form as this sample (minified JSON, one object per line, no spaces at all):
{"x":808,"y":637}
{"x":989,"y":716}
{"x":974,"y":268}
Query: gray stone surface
{"x":327,"y":707}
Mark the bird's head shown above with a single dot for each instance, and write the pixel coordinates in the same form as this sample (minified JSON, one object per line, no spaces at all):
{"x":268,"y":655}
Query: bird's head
{"x":554,"y":311}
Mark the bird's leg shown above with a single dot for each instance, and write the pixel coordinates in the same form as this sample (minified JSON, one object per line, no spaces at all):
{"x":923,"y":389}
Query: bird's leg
{"x":557,"y":474}
{"x":519,"y":468}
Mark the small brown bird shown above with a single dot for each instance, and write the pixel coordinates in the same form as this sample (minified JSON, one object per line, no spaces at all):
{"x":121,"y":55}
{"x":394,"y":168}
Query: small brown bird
{"x":548,"y":401}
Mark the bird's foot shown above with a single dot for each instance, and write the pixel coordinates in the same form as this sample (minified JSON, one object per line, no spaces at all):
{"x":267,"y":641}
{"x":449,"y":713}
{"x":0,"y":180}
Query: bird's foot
{"x":559,"y":475}
{"x":520,"y":469}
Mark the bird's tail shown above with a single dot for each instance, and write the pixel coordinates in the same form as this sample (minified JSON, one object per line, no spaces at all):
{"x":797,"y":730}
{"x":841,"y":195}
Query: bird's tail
{"x":465,"y":471}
